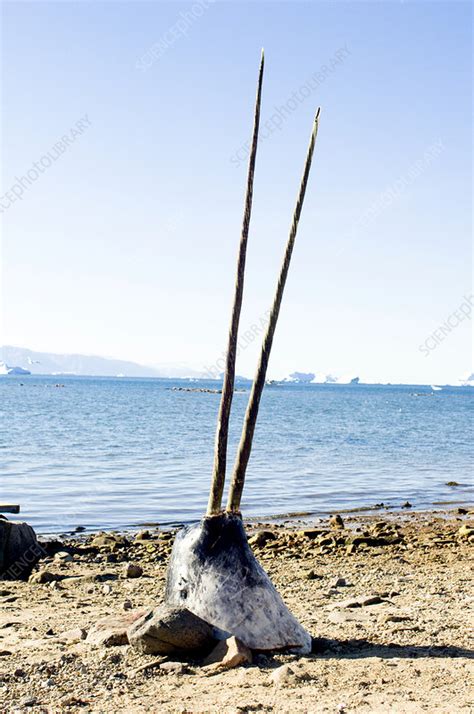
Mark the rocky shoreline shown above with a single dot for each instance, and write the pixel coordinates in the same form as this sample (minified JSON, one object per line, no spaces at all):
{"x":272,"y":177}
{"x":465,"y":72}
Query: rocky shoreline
{"x":385,"y":598}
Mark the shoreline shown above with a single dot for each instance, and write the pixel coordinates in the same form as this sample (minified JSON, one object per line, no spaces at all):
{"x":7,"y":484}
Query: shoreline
{"x":291,"y":519}
{"x":403,"y":648}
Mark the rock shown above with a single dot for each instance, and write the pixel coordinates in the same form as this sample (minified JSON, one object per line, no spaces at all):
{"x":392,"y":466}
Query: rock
{"x":283,"y":676}
{"x":260,"y":538}
{"x":336,"y":522}
{"x":170,"y":630}
{"x":131,"y":570}
{"x":392,"y":617}
{"x":228,"y":654}
{"x":143,"y":535}
{"x":109,"y":541}
{"x":452,"y":483}
{"x":465,"y":531}
{"x":63,"y":556}
{"x":362,"y":601}
{"x":407,"y":504}
{"x":311,"y":533}
{"x":339,"y":617}
{"x":19,"y":550}
{"x":111,"y":631}
{"x":338,"y":583}
{"x":312,"y":575}
{"x":106,"y":589}
{"x":173,"y":667}
{"x":75,"y":635}
{"x":43,"y":576}
{"x":127,"y":605}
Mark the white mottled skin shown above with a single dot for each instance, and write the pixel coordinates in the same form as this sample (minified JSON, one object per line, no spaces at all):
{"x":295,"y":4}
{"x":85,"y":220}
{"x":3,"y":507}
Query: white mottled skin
{"x":214,"y":573}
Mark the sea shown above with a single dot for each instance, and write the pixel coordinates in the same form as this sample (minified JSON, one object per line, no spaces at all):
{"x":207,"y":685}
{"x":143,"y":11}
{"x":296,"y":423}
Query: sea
{"x":119,"y":453}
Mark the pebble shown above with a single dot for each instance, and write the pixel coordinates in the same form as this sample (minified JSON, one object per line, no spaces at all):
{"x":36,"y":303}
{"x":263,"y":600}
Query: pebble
{"x":131,"y":570}
{"x":283,"y":676}
{"x":339,"y":583}
{"x":336,"y":522}
{"x":173,"y":667}
{"x":228,"y":654}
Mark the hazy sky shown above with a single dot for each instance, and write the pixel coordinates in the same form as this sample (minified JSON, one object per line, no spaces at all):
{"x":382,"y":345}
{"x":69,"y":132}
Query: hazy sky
{"x":122,"y":241}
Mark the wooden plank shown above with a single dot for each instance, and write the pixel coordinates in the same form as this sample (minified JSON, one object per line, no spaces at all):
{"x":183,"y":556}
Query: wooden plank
{"x":9,"y":508}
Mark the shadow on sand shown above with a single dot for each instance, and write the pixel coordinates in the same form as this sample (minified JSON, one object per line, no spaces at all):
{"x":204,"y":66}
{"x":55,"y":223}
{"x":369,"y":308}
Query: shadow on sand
{"x":360,"y":648}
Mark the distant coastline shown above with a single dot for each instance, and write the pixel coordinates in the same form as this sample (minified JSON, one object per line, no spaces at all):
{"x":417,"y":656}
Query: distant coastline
{"x":21,"y":361}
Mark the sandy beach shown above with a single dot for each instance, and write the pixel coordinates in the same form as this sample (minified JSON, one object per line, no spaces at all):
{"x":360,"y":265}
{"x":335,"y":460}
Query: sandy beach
{"x":386,"y":598}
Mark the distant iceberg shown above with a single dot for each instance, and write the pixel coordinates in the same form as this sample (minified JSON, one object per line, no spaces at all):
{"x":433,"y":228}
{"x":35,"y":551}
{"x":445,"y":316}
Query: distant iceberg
{"x":301,"y":377}
{"x":5,"y":369}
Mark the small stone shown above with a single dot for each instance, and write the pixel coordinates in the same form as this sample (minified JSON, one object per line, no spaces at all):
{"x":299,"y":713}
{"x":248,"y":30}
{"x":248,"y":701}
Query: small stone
{"x":79,"y":633}
{"x":452,"y":483}
{"x":127,"y":605}
{"x":465,"y":531}
{"x":407,"y":504}
{"x":362,"y":601}
{"x":336,"y":522}
{"x":173,"y":667}
{"x":143,"y":535}
{"x":28,"y":702}
{"x":131,"y":570}
{"x":311,"y":533}
{"x":283,"y":676}
{"x":42,"y":577}
{"x":63,"y":557}
{"x":228,"y":654}
{"x":338,"y":583}
{"x":312,"y":575}
{"x":112,"y":631}
{"x":106,"y":589}
{"x":19,"y":673}
{"x":260,"y":538}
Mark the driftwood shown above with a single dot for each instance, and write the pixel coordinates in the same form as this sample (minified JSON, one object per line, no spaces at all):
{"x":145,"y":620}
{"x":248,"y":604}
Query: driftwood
{"x":9,"y":508}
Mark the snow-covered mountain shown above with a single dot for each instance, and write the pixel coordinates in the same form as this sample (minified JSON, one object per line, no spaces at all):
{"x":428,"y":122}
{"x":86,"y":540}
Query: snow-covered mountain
{"x":87,"y":365}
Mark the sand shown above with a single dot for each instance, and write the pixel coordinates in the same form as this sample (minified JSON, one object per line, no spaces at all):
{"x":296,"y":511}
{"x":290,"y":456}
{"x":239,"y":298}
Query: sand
{"x":408,"y":651}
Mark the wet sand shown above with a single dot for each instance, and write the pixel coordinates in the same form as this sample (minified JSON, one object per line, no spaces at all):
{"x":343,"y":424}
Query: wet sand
{"x":406,"y":650}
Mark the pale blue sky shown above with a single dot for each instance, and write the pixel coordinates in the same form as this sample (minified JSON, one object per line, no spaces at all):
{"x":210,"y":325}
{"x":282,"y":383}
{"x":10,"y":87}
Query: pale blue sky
{"x":125,"y":246}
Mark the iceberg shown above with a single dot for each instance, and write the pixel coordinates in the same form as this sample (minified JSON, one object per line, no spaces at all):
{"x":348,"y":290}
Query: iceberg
{"x":5,"y":369}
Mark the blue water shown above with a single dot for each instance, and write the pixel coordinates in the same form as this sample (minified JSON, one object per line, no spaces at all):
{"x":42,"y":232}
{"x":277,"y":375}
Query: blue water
{"x":110,"y":453}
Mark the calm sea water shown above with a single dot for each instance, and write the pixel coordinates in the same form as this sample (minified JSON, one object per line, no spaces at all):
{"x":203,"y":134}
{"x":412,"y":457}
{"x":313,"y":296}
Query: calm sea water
{"x":109,"y":453}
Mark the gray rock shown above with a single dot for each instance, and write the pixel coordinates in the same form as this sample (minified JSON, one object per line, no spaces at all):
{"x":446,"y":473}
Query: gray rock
{"x":170,"y":630}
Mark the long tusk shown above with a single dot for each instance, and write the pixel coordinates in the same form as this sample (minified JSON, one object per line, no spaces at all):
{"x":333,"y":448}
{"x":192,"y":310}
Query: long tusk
{"x":222,"y":431}
{"x":245,"y":446}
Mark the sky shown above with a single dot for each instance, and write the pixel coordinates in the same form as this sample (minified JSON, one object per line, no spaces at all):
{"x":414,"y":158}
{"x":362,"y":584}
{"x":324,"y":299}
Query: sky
{"x":123,"y":241}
